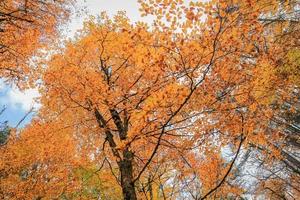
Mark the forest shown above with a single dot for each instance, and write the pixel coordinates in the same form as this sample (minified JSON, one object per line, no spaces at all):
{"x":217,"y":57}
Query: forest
{"x":200,"y":103}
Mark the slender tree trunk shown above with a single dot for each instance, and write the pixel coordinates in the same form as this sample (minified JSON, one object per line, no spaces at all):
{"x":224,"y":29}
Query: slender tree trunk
{"x":126,"y":170}
{"x":150,"y":188}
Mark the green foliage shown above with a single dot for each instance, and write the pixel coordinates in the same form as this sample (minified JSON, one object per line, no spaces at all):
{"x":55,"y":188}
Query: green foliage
{"x":4,"y":132}
{"x":94,"y":184}
{"x":291,"y":68}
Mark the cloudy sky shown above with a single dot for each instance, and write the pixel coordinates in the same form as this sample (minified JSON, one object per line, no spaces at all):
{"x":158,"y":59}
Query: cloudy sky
{"x":19,"y":103}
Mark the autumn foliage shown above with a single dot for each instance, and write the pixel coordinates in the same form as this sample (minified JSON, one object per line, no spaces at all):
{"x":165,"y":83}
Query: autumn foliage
{"x":26,"y":26}
{"x":176,"y":110}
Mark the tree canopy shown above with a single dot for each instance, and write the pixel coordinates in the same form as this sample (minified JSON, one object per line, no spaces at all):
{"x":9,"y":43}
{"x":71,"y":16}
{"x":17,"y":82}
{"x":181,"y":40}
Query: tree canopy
{"x":26,"y":26}
{"x":180,"y":109}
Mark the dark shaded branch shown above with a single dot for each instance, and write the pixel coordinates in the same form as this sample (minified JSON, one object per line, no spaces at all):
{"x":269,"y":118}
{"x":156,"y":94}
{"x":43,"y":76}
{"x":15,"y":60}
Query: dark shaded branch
{"x":118,"y":122}
{"x":109,"y":136}
{"x":24,"y":117}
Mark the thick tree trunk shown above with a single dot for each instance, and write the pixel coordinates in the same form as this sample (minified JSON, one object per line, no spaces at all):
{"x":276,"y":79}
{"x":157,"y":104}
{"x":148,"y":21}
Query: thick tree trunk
{"x":125,"y":162}
{"x":126,"y":170}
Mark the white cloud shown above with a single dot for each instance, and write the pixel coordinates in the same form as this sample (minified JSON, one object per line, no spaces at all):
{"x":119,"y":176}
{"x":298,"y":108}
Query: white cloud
{"x":2,"y":85}
{"x":111,"y":7}
{"x":22,"y":99}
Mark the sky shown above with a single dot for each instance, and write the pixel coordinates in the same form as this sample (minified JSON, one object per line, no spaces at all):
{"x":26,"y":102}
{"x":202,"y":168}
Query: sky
{"x":18,"y":103}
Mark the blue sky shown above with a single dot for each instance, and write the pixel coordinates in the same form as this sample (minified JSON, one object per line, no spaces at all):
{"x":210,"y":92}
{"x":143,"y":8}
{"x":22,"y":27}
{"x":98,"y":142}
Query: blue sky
{"x":18,"y":103}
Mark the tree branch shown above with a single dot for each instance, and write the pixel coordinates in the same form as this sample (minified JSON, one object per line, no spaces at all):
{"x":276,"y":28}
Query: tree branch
{"x":228,"y":171}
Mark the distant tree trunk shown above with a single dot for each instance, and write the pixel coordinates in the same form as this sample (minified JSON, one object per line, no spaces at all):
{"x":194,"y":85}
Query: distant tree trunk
{"x":126,"y":170}
{"x":150,"y":188}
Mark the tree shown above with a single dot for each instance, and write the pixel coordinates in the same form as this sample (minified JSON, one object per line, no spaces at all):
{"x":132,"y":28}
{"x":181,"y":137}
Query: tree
{"x":26,"y":26}
{"x":156,"y":106}
{"x":4,"y":130}
{"x":280,"y":24}
{"x":282,"y":170}
{"x":279,"y":160}
{"x":153,"y":94}
{"x":34,"y":165}
{"x":41,"y":163}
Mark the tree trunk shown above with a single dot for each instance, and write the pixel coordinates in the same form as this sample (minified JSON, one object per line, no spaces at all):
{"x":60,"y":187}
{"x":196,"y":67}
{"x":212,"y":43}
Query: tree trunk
{"x":125,"y":164}
{"x":150,"y":188}
{"x":126,"y":170}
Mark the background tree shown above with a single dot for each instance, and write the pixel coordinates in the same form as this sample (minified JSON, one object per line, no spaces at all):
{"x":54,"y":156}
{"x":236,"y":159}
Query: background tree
{"x":26,"y":26}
